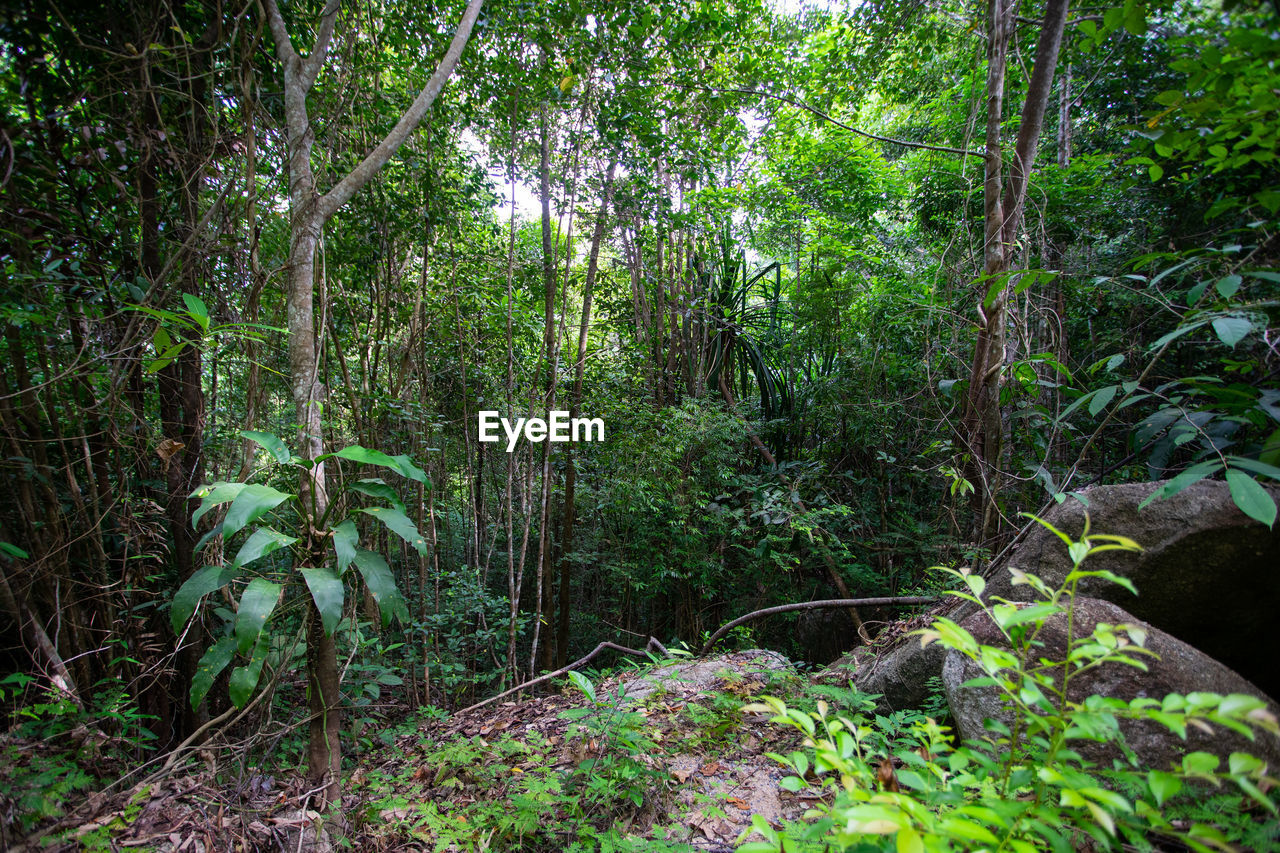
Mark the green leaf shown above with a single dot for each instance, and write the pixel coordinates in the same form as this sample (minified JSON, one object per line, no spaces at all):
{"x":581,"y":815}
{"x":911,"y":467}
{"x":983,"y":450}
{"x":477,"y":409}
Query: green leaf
{"x":1135,"y":21}
{"x":1175,"y":334}
{"x":214,"y":661}
{"x":376,"y":488}
{"x":1163,"y":785}
{"x":272,"y":443}
{"x":1231,"y":330}
{"x":1194,"y":294}
{"x":197,"y":310}
{"x":1156,"y":172}
{"x":410,"y":470}
{"x":327,"y":592}
{"x":1228,"y":285}
{"x":214,"y":495}
{"x":997,"y":286}
{"x":1102,"y":399}
{"x":909,"y":841}
{"x":188,"y":596}
{"x":253,"y":502}
{"x":259,"y":599}
{"x":345,"y":542}
{"x":262,"y":542}
{"x":1253,"y":500}
{"x":584,"y":684}
{"x":1194,"y":474}
{"x":1200,"y":763}
{"x":245,"y":678}
{"x":1256,"y":466}
{"x":398,"y":523}
{"x":13,"y":551}
{"x":356,"y":453}
{"x":382,"y":584}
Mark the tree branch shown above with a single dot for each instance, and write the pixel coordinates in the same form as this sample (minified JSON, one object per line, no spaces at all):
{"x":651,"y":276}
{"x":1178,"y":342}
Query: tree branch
{"x":825,"y":604}
{"x":315,"y":60}
{"x":1024,"y":154}
{"x":653,"y":646}
{"x":280,"y":33}
{"x":378,"y":157}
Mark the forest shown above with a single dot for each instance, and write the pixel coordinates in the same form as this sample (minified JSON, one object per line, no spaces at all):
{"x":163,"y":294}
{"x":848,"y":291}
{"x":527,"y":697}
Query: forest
{"x":365,"y":361}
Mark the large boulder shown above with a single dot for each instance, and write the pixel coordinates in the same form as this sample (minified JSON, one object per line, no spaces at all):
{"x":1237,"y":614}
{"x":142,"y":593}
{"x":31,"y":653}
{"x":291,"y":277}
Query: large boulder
{"x":900,"y":675}
{"x":1207,"y":574}
{"x":1179,"y":669}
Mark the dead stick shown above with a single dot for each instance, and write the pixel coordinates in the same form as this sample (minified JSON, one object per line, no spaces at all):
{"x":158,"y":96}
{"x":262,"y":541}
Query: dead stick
{"x":653,"y":646}
{"x":814,"y":605}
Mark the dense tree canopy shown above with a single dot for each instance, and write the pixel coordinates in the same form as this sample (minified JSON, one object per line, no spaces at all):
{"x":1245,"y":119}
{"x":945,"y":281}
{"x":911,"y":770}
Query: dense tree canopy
{"x":850,"y":287}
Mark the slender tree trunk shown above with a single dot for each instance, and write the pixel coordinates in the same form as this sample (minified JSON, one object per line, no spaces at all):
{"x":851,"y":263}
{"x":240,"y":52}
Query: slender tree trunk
{"x":543,"y":605}
{"x":1003,"y":205}
{"x":309,"y":211}
{"x":569,"y":515}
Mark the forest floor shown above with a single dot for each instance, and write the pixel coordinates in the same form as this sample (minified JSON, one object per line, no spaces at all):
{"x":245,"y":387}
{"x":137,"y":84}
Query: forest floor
{"x":654,"y":758}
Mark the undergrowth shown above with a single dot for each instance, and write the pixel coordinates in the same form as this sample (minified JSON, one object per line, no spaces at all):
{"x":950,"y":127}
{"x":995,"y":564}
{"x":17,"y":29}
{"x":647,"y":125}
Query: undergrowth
{"x":903,"y":784}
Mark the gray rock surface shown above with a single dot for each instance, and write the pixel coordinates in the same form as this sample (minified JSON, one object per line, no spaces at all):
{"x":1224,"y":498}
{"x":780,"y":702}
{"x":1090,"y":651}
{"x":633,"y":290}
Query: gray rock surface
{"x":1180,"y":669}
{"x":1207,"y":574}
{"x":698,"y":675}
{"x":900,"y":674}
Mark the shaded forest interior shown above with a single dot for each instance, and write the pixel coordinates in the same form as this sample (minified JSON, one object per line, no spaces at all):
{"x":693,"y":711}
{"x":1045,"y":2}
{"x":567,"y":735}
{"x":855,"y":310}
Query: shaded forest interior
{"x":849,"y":287}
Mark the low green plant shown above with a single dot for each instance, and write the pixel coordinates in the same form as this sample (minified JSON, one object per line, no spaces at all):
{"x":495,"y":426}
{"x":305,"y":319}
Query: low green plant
{"x":912,"y":789}
{"x":615,"y":740}
{"x":259,"y":509}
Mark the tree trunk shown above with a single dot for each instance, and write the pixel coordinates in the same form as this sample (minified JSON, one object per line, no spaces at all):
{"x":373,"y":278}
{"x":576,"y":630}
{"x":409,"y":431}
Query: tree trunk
{"x":308,"y":215}
{"x":1003,"y":205}
{"x":568,"y":516}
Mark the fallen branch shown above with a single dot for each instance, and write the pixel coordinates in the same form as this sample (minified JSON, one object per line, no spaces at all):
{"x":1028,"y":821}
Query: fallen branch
{"x":814,"y":605}
{"x":653,"y":646}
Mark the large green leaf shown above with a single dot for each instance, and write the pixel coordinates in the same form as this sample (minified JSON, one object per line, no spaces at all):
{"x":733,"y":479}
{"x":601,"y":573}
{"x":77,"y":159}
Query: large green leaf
{"x":1253,"y":500}
{"x":356,"y":453}
{"x":197,"y":309}
{"x":253,"y":502}
{"x":345,"y":541}
{"x":402,"y":464}
{"x":398,"y":523}
{"x":260,"y":543}
{"x":376,"y":488}
{"x":410,"y":470}
{"x":1102,"y":399}
{"x":270,"y":442}
{"x":1231,"y":330}
{"x":214,"y":661}
{"x":188,"y":596}
{"x":214,"y":495}
{"x":1194,"y":474}
{"x":327,"y":592}
{"x":245,"y":678}
{"x":204,"y":540}
{"x":259,"y":599}
{"x":377,"y":576}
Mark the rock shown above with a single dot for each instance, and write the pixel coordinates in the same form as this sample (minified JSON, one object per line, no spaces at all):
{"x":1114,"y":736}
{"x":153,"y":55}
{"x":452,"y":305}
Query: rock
{"x":1206,"y":574}
{"x":900,"y":674}
{"x":696,"y":676}
{"x":1180,"y":669}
